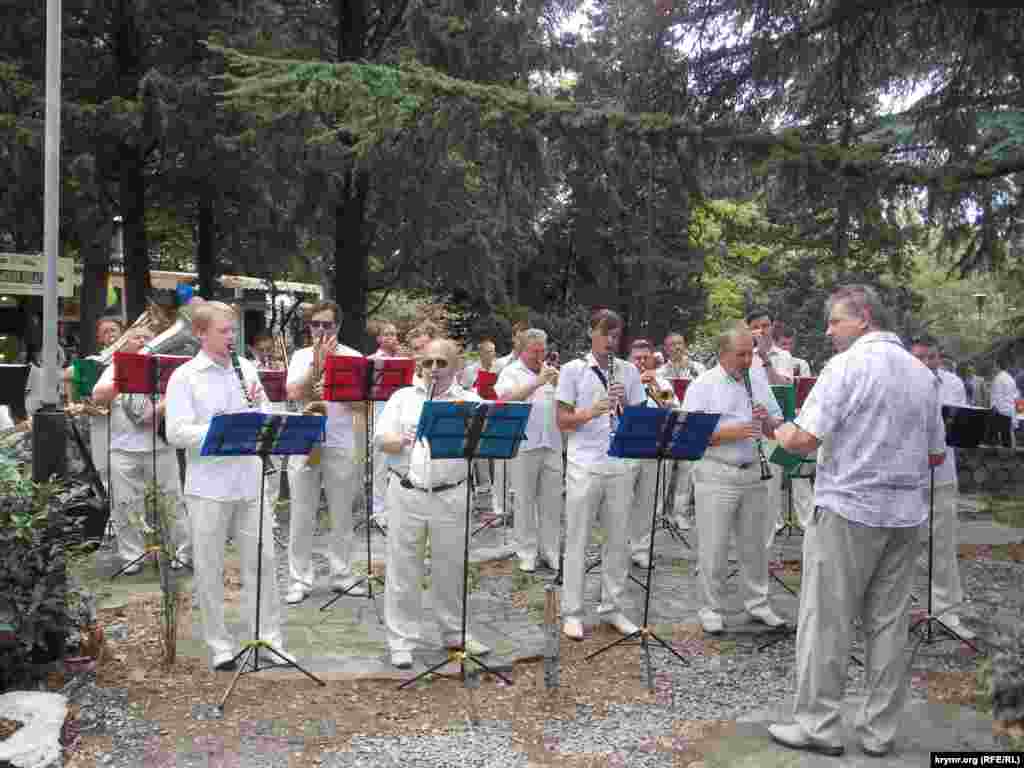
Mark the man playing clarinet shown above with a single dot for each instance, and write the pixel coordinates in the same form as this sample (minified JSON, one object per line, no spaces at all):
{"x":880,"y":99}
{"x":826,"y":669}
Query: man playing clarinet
{"x":729,"y":485}
{"x":217,"y":488}
{"x":591,"y":392}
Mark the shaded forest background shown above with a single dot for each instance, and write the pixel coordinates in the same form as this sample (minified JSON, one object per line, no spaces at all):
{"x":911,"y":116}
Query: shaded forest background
{"x":527,"y":159}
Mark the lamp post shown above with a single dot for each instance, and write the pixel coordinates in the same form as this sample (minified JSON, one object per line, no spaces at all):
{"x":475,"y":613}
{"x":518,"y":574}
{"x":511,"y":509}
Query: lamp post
{"x":49,"y":440}
{"x":979,"y":299}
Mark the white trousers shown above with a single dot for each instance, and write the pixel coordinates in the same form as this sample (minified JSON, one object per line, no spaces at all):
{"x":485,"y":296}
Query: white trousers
{"x":852,"y":570}
{"x":210,"y":521}
{"x":338,"y":473}
{"x":587,"y":494}
{"x":684,"y":485}
{"x":442,"y":517}
{"x":731,"y":499}
{"x":536,"y":478}
{"x":381,"y":478}
{"x":644,"y":476}
{"x":131,"y":472}
{"x":947,"y":592}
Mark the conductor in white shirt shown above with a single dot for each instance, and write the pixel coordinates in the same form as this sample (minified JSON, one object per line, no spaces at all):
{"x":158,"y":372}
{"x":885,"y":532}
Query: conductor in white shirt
{"x":217,"y":487}
{"x":730,"y":494}
{"x":590,"y":393}
{"x":873,"y":416}
{"x":536,"y":472}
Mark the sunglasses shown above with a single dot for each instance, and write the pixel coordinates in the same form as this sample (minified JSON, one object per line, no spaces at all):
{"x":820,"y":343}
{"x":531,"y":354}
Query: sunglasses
{"x":325,"y":325}
{"x":434,"y":362}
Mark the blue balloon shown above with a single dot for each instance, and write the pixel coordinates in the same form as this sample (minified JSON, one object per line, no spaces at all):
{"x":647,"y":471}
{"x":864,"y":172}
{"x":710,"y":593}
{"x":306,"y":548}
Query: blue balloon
{"x":184,"y":292}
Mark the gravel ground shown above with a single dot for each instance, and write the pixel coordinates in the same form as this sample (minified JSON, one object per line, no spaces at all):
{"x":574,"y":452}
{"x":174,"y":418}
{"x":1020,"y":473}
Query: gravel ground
{"x":709,"y":688}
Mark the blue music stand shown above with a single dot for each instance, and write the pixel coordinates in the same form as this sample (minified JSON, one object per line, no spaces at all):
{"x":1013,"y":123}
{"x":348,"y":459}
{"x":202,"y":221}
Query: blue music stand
{"x":470,"y":430}
{"x":658,"y":434}
{"x":263,"y":435}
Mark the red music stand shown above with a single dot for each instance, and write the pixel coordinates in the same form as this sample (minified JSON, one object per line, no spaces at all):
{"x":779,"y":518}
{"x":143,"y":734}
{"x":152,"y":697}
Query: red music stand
{"x":679,"y":387}
{"x":804,"y":385}
{"x":138,"y":374}
{"x":484,"y":385}
{"x":351,"y":379}
{"x":273,"y":383}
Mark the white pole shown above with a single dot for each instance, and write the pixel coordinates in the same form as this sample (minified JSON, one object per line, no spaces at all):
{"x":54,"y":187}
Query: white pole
{"x":51,"y":201}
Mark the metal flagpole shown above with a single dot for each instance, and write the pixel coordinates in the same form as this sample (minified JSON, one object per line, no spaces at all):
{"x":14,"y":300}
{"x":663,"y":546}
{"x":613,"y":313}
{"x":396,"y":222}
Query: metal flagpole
{"x":48,"y":423}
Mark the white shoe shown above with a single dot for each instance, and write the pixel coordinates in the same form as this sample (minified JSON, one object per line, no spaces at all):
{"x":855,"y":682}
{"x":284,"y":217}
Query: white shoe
{"x":793,"y":736}
{"x":952,"y":621}
{"x":401,"y":659}
{"x":573,"y":629}
{"x":352,"y":586}
{"x":713,"y":623}
{"x":296,"y":594}
{"x":620,"y":622}
{"x":765,"y":615}
{"x":642,"y":561}
{"x":473,"y":646}
{"x":527,"y":564}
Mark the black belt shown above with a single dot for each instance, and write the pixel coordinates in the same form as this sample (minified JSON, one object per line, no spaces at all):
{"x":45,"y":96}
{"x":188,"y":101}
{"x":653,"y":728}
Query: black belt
{"x":405,"y":482}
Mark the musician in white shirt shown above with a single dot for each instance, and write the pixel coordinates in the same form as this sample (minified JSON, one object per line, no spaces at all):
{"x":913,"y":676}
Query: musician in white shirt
{"x":426,"y":495}
{"x":132,"y":422}
{"x":947,"y":592}
{"x":536,"y":472}
{"x":645,"y":471}
{"x":216,"y":381}
{"x":728,"y":488}
{"x":336,"y":472}
{"x":590,"y":393}
{"x":387,"y":346}
{"x":785,"y":339}
{"x":777,"y":362}
{"x":1004,"y":392}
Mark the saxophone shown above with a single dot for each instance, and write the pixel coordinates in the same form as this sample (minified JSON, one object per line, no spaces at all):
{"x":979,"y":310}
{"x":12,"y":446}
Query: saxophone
{"x":315,"y":402}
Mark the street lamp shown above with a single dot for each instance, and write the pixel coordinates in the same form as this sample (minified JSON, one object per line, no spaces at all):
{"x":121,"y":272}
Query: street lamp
{"x":979,"y":299}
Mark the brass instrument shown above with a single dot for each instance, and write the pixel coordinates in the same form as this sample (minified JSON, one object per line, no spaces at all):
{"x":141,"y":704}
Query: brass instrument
{"x":315,"y":405}
{"x":766,"y":470}
{"x":155,"y":318}
{"x":662,"y":397}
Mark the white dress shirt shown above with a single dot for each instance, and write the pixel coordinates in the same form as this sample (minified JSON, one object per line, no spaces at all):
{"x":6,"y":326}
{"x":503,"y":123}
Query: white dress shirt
{"x":781,"y":361}
{"x":1004,"y":395}
{"x":805,"y":367}
{"x":339,"y":415}
{"x":951,"y":392}
{"x":542,"y":427}
{"x":504,"y":360}
{"x":718,"y":392}
{"x":199,"y":390}
{"x":402,"y":414}
{"x":580,"y":387}
{"x":126,"y":435}
{"x":875,"y":409}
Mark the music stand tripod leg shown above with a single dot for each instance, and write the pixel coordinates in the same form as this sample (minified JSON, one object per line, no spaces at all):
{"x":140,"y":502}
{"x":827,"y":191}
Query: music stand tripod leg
{"x":253,"y":647}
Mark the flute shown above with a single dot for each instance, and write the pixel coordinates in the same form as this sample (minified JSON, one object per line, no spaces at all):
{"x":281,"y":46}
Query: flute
{"x":766,"y":471}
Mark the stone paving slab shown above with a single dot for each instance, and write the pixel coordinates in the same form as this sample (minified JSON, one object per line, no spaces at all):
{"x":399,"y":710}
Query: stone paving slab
{"x":926,"y":727}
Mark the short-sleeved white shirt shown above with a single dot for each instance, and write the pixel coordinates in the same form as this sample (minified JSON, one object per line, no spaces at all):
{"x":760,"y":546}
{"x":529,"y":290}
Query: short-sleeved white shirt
{"x":718,"y":392}
{"x":401,"y":414}
{"x":875,"y":409}
{"x":580,"y":387}
{"x":339,"y":415}
{"x":542,"y":428}
{"x":781,"y":361}
{"x":951,"y":392}
{"x":197,"y":391}
{"x":126,"y":435}
{"x":1004,"y":395}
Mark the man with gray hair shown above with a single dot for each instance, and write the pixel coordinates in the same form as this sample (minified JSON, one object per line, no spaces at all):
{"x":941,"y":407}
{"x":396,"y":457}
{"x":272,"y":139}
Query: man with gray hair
{"x":536,"y":473}
{"x":873,"y":416}
{"x":728,"y":489}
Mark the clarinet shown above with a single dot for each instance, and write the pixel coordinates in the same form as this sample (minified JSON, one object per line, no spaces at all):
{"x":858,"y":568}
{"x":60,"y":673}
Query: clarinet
{"x":766,"y":471}
{"x":241,"y":379}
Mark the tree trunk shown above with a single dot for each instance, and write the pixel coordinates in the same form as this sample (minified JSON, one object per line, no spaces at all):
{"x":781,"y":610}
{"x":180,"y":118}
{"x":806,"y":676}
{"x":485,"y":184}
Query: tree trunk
{"x":136,"y":247}
{"x":95,"y":266}
{"x":352,"y":257}
{"x":206,"y":251}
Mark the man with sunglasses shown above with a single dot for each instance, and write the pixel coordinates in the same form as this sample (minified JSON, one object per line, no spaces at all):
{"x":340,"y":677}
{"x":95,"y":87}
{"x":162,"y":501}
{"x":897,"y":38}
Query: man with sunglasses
{"x":425,"y":495}
{"x":336,"y":471}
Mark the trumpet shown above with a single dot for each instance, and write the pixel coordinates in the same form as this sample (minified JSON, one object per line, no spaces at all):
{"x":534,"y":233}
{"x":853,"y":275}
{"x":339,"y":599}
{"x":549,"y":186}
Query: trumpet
{"x":661,"y":397}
